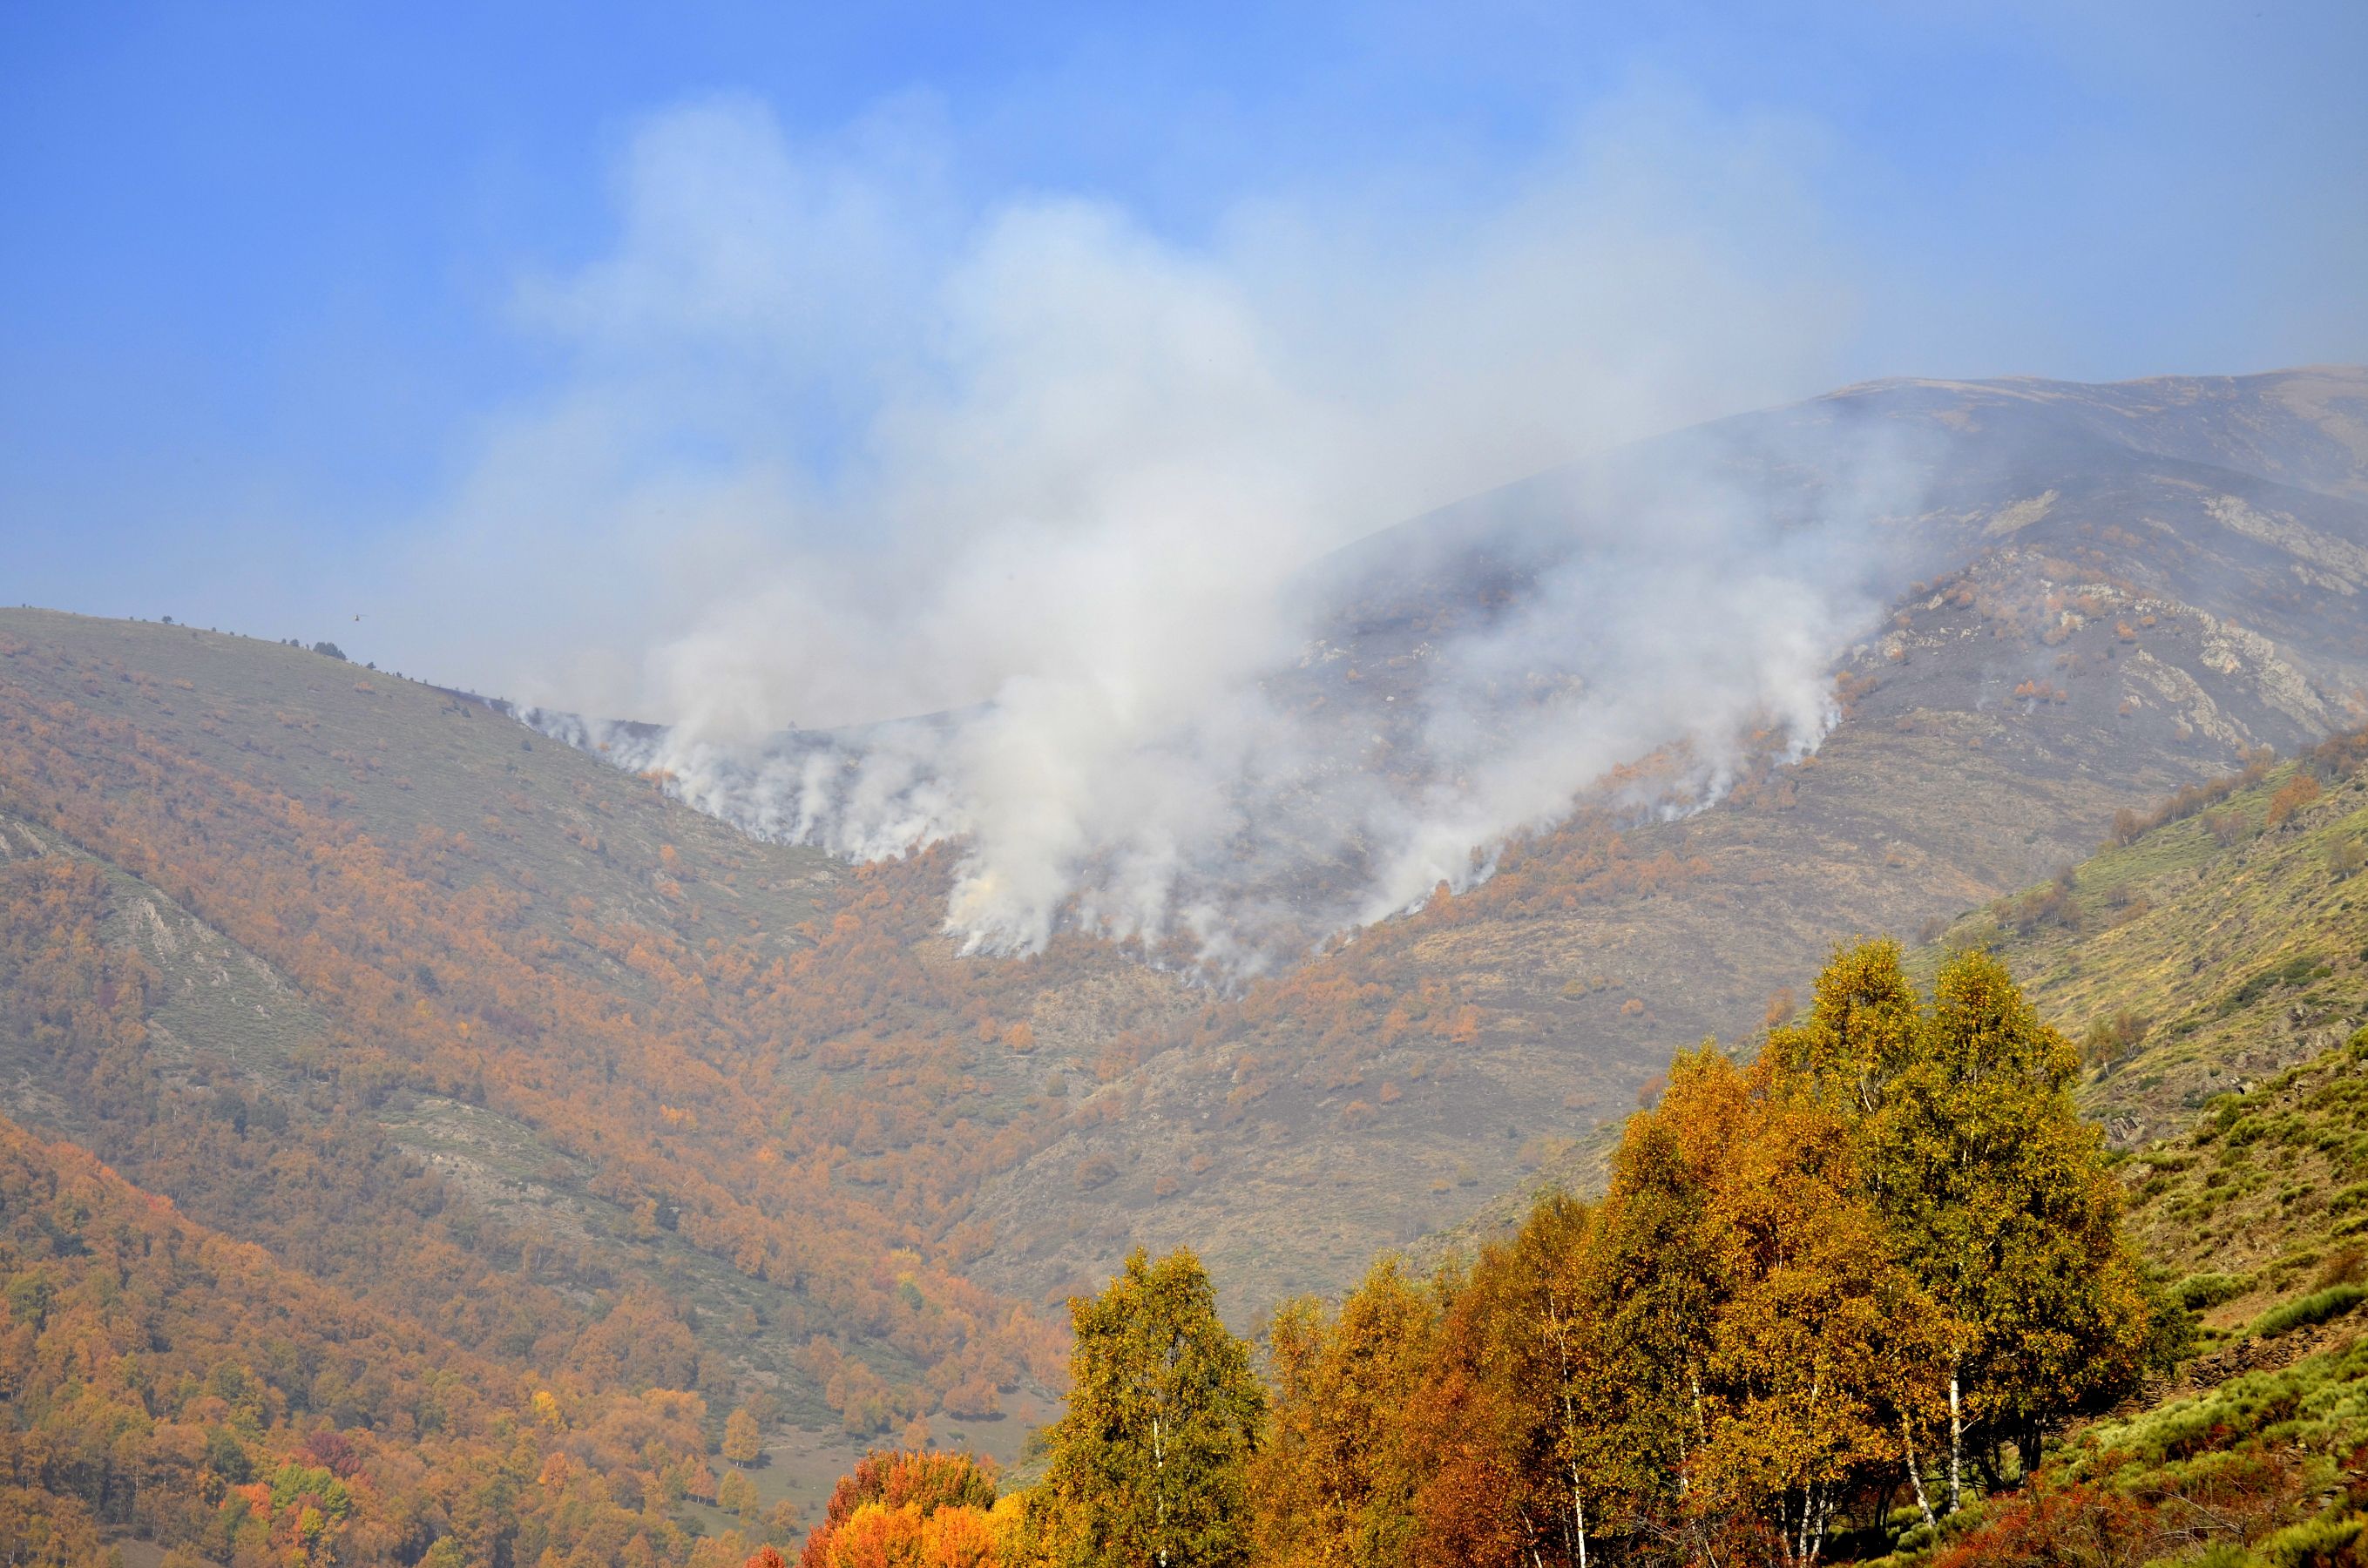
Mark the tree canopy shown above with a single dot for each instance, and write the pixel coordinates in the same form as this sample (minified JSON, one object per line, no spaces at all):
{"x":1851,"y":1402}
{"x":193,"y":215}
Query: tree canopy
{"x":1149,"y":1465}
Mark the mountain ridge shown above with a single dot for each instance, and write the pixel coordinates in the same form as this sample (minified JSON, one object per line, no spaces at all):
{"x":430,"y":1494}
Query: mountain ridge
{"x":627,"y":1058}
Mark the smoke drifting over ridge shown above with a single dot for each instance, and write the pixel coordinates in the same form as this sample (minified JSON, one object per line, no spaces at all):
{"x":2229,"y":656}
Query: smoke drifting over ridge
{"x":1081,"y":492}
{"x":1452,"y":683}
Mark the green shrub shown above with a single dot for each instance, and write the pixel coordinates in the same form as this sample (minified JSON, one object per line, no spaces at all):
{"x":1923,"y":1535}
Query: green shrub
{"x":2298,"y":970}
{"x":2316,"y":1307}
{"x":2309,"y":1544}
{"x":2199,"y":1292}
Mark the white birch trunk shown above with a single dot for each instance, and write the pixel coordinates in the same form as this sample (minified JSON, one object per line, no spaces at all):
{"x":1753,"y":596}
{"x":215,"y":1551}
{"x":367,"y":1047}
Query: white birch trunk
{"x":1956,"y":1439}
{"x":1916,"y":1477}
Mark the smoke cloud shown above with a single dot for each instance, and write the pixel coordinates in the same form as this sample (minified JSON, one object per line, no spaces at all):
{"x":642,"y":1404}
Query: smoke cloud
{"x":1030,"y":525}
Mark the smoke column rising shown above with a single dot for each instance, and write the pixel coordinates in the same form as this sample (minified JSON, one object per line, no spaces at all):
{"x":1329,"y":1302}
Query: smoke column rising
{"x":1076,"y":489}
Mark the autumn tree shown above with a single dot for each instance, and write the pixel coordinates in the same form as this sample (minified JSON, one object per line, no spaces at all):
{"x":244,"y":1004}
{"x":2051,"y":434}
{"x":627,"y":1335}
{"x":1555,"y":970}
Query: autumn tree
{"x":1993,"y":1191}
{"x":908,"y":1508}
{"x":1651,"y":1270}
{"x":742,"y":1442}
{"x":1333,"y":1481}
{"x":1880,"y":1245}
{"x":1824,"y":1349}
{"x":1148,"y":1465}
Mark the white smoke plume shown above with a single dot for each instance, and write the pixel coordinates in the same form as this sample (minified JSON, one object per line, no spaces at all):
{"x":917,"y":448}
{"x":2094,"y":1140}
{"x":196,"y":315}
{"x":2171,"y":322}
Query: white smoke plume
{"x":1072,"y":488}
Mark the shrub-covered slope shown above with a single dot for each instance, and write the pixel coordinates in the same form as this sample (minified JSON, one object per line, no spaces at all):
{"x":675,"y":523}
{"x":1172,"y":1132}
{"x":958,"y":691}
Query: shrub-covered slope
{"x":2219,"y":938}
{"x":476,"y":1026}
{"x":166,"y":1385}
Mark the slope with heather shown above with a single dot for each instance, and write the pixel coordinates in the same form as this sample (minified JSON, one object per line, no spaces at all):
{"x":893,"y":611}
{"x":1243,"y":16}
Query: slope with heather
{"x":170,"y":1386}
{"x":390,"y":946}
{"x":2214,"y":961}
{"x":2221,"y":944}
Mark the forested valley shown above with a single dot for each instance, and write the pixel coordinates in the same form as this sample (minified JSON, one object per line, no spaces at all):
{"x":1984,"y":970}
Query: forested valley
{"x":1866,"y":1285}
{"x":429,"y":1138}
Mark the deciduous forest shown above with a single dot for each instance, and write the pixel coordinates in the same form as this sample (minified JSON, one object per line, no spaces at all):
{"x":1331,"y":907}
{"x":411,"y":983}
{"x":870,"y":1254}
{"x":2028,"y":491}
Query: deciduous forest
{"x":1889,"y":1279}
{"x":1871,"y":1269}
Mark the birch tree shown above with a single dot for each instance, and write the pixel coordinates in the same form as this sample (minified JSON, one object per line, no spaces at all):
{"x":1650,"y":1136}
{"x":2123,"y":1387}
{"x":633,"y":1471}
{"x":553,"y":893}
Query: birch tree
{"x":1822,"y":1345}
{"x":1993,"y":1191}
{"x":1332,"y":1483}
{"x":1148,"y":1463}
{"x":1999,"y":1201}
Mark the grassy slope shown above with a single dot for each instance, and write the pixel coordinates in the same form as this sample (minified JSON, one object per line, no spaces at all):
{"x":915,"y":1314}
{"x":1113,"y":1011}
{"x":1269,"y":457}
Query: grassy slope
{"x":2240,"y":1113}
{"x":2241,"y":957}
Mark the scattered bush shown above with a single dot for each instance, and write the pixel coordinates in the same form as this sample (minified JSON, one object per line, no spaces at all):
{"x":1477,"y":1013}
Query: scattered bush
{"x":2199,"y":1293}
{"x":2111,"y":1039}
{"x":2344,"y":1266}
{"x":2317,"y":1307}
{"x":2292,"y":796}
{"x":2300,"y":969}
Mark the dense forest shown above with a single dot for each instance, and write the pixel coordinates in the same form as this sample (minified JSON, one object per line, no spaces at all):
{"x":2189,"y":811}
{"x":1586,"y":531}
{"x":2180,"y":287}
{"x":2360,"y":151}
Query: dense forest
{"x":189,"y":1389}
{"x":806,"y":1115}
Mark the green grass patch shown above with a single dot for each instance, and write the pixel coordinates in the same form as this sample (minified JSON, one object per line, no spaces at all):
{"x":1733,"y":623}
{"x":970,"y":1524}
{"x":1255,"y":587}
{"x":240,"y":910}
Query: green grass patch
{"x":2317,"y":1307}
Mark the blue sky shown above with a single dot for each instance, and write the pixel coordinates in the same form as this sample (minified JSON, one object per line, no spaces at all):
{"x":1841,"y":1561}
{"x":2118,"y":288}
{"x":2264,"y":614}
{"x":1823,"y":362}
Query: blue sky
{"x":286,"y":289}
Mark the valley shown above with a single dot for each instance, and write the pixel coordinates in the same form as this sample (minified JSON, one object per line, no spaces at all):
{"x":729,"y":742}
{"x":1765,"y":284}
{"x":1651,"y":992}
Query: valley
{"x":499,"y":1043}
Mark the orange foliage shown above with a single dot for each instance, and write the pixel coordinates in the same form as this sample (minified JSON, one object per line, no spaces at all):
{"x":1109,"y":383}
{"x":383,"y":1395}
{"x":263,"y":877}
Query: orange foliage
{"x":907,"y":1509}
{"x":2292,"y":796}
{"x":844,"y":1061}
{"x":229,"y":1402}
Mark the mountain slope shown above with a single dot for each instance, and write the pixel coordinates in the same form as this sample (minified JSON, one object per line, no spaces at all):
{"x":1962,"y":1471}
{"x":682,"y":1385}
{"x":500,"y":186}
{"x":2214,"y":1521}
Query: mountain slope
{"x":2103,"y":592}
{"x":619,"y":1051}
{"x":622,"y":1053}
{"x":2208,"y":952}
{"x":170,"y":1386}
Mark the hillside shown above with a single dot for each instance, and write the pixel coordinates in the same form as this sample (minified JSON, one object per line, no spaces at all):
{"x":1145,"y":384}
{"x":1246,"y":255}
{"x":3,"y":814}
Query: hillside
{"x":533,"y":1040}
{"x":2203,"y":949}
{"x":1873,"y":1287}
{"x":2215,"y":968}
{"x":2216,"y":956}
{"x":191,"y":1393}
{"x":2103,"y":593}
{"x":2211,"y":961}
{"x":505,"y":1040}
{"x":2218,"y":940}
